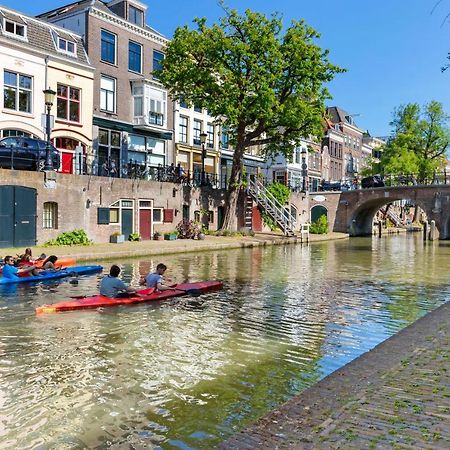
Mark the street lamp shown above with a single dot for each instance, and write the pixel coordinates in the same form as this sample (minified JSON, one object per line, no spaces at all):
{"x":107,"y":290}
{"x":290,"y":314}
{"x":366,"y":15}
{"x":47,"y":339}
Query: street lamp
{"x":304,"y":168}
{"x":203,"y":137}
{"x":49,"y":98}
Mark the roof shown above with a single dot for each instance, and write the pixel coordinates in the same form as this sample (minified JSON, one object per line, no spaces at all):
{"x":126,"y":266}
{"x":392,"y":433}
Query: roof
{"x":41,"y":36}
{"x":338,"y":115}
{"x":84,"y":4}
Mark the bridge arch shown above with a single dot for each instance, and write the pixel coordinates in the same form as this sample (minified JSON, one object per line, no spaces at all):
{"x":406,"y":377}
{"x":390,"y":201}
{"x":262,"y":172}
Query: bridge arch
{"x":318,"y":211}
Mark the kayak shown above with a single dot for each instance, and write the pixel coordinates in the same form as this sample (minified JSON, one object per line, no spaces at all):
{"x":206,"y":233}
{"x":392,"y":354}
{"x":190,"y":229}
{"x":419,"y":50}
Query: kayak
{"x":145,"y":295}
{"x":61,"y":262}
{"x":50,"y":275}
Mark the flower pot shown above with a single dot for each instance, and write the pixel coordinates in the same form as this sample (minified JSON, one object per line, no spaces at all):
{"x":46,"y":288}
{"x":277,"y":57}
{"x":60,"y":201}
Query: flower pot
{"x":170,"y":237}
{"x":201,"y":236}
{"x":117,"y":239}
{"x":158,"y":237}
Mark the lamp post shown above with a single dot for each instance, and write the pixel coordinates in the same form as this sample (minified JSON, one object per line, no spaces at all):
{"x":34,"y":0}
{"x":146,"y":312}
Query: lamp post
{"x":203,"y":137}
{"x":49,"y":98}
{"x":304,"y":169}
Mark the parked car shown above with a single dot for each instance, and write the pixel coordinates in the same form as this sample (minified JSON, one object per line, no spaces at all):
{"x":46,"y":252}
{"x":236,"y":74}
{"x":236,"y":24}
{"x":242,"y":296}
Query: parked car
{"x":26,"y":153}
{"x":372,"y":182}
{"x":330,"y":186}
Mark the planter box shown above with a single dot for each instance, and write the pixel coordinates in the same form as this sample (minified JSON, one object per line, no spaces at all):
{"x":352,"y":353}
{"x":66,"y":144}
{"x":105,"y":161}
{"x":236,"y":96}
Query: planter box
{"x":170,"y":237}
{"x":119,"y":239}
{"x":158,"y":238}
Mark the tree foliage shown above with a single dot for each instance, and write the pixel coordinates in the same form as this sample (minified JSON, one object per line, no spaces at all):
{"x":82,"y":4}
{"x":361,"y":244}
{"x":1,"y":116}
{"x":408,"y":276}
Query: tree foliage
{"x":420,"y":141}
{"x":265,"y":86}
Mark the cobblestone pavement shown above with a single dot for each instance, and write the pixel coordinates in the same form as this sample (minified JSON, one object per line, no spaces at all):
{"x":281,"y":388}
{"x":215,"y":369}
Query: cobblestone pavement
{"x":98,"y":252}
{"x":396,"y":396}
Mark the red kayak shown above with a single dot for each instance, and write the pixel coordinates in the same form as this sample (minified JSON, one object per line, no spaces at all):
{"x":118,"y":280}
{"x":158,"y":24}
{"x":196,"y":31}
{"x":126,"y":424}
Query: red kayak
{"x":145,"y":295}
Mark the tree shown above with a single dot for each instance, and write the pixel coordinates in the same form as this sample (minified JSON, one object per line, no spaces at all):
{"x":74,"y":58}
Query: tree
{"x":266,"y":88}
{"x":419,"y":142}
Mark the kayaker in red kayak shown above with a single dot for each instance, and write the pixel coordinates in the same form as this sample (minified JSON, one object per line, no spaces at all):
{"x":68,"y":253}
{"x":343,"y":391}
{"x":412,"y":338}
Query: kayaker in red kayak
{"x":9,"y":271}
{"x":156,"y":279}
{"x":112,"y":287}
{"x":26,"y":259}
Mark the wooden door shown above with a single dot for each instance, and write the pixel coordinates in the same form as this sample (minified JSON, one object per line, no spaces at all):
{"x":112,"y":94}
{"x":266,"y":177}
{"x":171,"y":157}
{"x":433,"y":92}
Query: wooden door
{"x":145,"y":224}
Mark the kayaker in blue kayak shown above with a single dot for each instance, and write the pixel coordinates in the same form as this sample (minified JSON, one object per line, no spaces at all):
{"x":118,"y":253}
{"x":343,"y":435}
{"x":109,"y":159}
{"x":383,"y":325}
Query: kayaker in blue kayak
{"x":10,"y":271}
{"x":112,"y":287}
{"x":156,"y":279}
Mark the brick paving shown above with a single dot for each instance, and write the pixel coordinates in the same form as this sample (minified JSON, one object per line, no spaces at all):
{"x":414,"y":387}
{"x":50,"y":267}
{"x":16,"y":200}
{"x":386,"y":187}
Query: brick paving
{"x":98,"y":252}
{"x":397,"y":396}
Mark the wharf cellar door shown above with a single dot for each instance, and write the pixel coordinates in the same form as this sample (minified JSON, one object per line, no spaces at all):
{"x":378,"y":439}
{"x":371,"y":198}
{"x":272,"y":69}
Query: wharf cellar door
{"x":17,"y":216}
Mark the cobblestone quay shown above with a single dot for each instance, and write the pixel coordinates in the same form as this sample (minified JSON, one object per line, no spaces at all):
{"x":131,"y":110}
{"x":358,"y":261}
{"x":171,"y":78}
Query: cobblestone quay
{"x":397,"y":396}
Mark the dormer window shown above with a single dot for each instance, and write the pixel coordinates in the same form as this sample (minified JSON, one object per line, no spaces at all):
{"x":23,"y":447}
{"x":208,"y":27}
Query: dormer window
{"x":15,"y":28}
{"x":66,"y":46}
{"x":135,"y":15}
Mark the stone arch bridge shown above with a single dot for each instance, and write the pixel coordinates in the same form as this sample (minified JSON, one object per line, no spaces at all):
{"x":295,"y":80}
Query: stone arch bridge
{"x":353,"y":211}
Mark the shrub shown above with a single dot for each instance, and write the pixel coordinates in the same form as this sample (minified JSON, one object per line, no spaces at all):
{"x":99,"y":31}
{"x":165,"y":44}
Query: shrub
{"x":320,"y":226}
{"x":188,"y":229}
{"x":134,"y":237}
{"x":75,"y":237}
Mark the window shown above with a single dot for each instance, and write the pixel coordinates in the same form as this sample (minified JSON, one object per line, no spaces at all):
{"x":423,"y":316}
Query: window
{"x":134,"y":57}
{"x":13,"y":133}
{"x":50,"y":215}
{"x":135,"y":15}
{"x":156,"y":115}
{"x":68,"y":103}
{"x":158,"y":57}
{"x":113,"y":215}
{"x":17,"y":93}
{"x":197,"y":109}
{"x":108,"y":94}
{"x":210,"y":133}
{"x":108,"y":47}
{"x":197,"y":131}
{"x":66,"y":46}
{"x":15,"y":28}
{"x":109,"y":153}
{"x":157,"y":215}
{"x":225,"y":138}
{"x":183,"y":103}
{"x":184,"y":121}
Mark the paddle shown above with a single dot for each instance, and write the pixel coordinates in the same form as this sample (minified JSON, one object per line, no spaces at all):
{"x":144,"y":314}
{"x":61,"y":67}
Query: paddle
{"x":192,"y":292}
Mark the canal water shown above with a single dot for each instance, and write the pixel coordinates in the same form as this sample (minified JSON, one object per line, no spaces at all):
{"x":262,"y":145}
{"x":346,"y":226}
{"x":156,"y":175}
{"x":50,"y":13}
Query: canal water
{"x":185,"y":374}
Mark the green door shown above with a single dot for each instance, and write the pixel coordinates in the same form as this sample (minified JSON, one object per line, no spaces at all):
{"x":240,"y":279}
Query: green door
{"x":127,"y":222}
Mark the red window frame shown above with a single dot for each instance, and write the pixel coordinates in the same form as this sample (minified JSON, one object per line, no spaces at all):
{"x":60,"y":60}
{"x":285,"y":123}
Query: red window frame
{"x":69,"y":99}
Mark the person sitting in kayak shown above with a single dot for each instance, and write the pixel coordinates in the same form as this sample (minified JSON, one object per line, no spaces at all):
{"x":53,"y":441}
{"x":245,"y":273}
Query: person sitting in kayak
{"x":10,"y":271}
{"x":112,"y":287}
{"x":49,"y":263}
{"x":156,"y":279}
{"x":26,"y":259}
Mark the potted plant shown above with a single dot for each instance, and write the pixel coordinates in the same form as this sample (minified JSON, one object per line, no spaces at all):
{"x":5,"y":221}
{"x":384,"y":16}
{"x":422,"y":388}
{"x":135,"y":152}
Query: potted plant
{"x":134,"y":237}
{"x":117,"y":238}
{"x":157,"y":236}
{"x":172,"y":236}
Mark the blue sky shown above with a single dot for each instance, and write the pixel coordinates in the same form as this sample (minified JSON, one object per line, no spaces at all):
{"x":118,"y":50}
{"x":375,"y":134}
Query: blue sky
{"x":393,"y":49}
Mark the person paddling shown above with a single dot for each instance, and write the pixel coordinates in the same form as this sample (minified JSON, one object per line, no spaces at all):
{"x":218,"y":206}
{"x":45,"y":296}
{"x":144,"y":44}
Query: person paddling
{"x":112,"y":287}
{"x":156,"y":279}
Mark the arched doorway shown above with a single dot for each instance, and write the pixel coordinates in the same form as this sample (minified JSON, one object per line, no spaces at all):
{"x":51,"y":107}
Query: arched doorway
{"x":317,"y":212}
{"x":73,"y":153}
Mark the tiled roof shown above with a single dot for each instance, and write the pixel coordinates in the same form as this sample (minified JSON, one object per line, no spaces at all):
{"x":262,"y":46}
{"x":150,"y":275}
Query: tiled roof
{"x":42,"y":36}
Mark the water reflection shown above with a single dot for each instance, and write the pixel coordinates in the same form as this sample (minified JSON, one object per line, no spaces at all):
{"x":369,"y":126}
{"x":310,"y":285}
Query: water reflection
{"x":167,"y":375}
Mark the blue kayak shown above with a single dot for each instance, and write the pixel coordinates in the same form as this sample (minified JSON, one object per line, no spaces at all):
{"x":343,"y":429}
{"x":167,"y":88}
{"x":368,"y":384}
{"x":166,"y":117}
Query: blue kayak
{"x":52,"y":275}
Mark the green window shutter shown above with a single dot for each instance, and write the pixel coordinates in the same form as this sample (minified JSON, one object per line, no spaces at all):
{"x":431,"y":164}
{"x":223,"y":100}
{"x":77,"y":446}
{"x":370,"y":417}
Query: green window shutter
{"x":103,"y":216}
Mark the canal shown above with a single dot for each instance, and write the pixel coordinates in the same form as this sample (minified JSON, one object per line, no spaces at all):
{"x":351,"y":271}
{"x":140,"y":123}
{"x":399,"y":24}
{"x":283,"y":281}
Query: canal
{"x":187,"y":374}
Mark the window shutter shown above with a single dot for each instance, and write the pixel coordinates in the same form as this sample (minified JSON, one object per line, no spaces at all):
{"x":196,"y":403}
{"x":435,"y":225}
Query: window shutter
{"x":168,"y":215}
{"x":103,"y":216}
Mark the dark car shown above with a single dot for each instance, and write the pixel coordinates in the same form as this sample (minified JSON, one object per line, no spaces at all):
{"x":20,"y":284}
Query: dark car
{"x":26,"y":153}
{"x":330,"y":186}
{"x":373,"y":181}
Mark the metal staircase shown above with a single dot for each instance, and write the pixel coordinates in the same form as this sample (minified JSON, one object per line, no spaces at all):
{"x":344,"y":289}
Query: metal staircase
{"x":266,"y":200}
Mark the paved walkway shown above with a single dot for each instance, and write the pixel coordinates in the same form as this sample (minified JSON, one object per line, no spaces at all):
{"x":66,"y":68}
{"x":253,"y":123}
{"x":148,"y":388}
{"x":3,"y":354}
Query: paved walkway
{"x":98,"y":252}
{"x":396,"y":396}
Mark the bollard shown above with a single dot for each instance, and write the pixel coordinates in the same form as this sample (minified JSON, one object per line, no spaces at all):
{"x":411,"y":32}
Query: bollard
{"x":425,"y":230}
{"x":432,"y":230}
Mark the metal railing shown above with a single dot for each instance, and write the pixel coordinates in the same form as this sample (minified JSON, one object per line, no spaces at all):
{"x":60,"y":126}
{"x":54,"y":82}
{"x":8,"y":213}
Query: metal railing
{"x":266,"y":200}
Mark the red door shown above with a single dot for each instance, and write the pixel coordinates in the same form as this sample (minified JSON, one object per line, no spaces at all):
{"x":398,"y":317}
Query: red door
{"x":66,"y":162}
{"x":145,"y":224}
{"x":256,"y":219}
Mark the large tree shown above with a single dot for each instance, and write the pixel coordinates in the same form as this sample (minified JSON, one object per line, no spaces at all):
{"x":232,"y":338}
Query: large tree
{"x":265,"y":85}
{"x":419,"y":142}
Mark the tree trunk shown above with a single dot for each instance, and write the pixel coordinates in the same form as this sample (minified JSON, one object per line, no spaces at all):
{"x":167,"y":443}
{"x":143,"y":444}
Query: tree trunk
{"x":234,"y":187}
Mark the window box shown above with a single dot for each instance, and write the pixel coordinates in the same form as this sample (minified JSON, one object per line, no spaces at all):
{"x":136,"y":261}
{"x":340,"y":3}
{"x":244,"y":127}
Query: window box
{"x":170,"y":237}
{"x":117,"y":238}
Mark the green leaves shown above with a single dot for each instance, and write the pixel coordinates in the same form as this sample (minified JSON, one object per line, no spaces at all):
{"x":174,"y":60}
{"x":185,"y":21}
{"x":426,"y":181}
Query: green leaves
{"x":75,"y":237}
{"x":420,"y":142}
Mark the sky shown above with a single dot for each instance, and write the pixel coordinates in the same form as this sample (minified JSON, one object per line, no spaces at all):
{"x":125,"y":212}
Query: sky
{"x":393,"y":50}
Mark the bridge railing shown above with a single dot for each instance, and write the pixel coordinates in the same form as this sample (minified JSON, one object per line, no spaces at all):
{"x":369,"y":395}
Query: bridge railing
{"x":413,"y":180}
